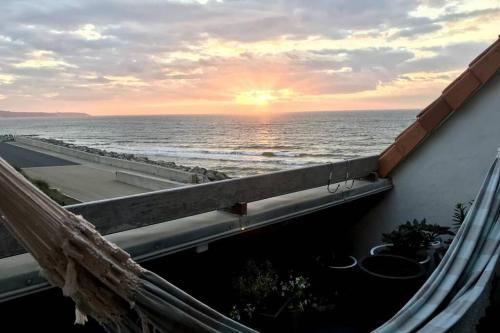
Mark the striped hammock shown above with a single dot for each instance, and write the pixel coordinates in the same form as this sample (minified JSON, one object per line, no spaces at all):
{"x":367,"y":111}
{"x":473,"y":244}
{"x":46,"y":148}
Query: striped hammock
{"x":453,"y":297}
{"x":103,"y":281}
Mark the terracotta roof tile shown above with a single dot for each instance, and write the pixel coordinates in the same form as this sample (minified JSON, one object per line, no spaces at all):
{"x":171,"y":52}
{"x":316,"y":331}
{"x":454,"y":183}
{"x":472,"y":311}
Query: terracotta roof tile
{"x":488,"y":49}
{"x":388,"y":160}
{"x":480,"y":70}
{"x":410,"y":138}
{"x":485,"y":68}
{"x":434,"y":114}
{"x":461,"y":89}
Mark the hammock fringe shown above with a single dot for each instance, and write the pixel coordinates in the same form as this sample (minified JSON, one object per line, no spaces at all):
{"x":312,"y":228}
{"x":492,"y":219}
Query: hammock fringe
{"x":102,"y":279}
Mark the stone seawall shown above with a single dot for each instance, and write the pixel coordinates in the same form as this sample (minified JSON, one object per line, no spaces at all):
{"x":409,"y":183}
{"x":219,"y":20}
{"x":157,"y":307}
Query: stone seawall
{"x":6,"y":138}
{"x":141,"y":180}
{"x":165,"y":169}
{"x":211,"y":175}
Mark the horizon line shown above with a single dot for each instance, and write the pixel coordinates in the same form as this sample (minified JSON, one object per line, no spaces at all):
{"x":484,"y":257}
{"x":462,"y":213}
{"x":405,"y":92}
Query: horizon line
{"x":256,"y":113}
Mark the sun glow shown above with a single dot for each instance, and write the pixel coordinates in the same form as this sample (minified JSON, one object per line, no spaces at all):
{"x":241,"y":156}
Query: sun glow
{"x":263,"y":97}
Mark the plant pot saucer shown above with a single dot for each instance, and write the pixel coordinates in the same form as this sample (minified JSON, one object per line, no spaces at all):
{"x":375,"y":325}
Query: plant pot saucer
{"x":436,"y":244}
{"x":385,"y":249}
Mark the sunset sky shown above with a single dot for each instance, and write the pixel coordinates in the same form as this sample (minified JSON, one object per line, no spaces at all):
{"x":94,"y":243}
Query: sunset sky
{"x":107,"y":57}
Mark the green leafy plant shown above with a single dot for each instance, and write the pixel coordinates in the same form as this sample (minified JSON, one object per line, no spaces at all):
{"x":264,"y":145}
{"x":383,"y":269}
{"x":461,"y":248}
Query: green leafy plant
{"x":260,"y":290}
{"x":257,"y":282}
{"x":296,"y":289}
{"x":459,"y":213}
{"x":412,"y":238}
{"x":248,"y":310}
{"x":257,"y":289}
{"x":235,"y":313}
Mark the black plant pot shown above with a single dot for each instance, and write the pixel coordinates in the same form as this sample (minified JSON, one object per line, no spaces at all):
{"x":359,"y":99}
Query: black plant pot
{"x":343,"y":263}
{"x":334,"y":272}
{"x":267,"y":320}
{"x":344,"y":269}
{"x":343,"y":276}
{"x":423,"y":256}
{"x":388,"y":282}
{"x":292,"y":321}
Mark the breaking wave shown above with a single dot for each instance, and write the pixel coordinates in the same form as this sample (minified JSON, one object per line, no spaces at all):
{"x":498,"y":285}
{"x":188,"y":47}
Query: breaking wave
{"x":238,"y":146}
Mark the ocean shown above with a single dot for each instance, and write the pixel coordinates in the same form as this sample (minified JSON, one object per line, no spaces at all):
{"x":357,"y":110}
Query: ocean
{"x":234,"y":144}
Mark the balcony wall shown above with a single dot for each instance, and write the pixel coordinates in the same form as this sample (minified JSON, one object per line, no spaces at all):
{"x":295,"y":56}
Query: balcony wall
{"x":447,"y":168}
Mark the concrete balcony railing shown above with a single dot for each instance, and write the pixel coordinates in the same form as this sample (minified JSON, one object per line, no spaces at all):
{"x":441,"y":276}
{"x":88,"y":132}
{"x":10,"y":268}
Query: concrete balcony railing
{"x":159,"y":223}
{"x":135,"y":211}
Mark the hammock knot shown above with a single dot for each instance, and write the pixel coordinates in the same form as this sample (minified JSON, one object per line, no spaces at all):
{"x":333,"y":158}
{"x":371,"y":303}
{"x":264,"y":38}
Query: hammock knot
{"x":80,"y":317}
{"x":71,"y":279}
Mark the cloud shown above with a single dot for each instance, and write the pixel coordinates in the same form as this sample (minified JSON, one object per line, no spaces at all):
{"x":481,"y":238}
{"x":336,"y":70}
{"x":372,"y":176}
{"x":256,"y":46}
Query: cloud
{"x":6,"y":79}
{"x":128,"y":80}
{"x":447,"y":57}
{"x":417,"y":31}
{"x":454,"y":16}
{"x":42,"y":59}
{"x":213,"y":50}
{"x":88,"y":32}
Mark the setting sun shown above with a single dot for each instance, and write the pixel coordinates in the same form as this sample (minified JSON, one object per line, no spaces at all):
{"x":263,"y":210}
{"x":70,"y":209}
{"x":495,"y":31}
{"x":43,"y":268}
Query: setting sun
{"x":220,"y":57}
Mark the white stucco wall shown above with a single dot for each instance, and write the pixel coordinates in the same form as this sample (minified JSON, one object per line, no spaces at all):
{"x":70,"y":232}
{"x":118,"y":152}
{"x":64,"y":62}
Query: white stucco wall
{"x":447,"y":168}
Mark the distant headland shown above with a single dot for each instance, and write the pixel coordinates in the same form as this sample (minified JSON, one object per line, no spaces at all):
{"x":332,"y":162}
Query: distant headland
{"x":10,"y":114}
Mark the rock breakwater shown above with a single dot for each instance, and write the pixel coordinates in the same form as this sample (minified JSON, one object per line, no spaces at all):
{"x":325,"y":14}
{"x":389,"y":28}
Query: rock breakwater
{"x":6,"y":138}
{"x":206,"y":174}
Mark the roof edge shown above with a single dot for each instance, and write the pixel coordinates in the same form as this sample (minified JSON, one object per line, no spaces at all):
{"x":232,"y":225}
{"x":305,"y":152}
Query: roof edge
{"x":480,"y":70}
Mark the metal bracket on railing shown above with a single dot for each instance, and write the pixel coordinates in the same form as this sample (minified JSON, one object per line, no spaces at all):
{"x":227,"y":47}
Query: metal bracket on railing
{"x":347,"y":176}
{"x":330,"y":181}
{"x":372,"y":176}
{"x":239,"y":208}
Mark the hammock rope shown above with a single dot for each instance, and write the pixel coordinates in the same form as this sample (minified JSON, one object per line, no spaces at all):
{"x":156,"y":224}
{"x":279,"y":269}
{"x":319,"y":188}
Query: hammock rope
{"x":102,"y":279}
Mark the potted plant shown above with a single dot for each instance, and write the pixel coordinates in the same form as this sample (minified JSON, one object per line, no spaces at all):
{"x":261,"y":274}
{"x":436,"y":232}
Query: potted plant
{"x":296,"y":288}
{"x":412,"y":240}
{"x":459,"y":213}
{"x":387,"y":283}
{"x":335,"y":274}
{"x":335,"y":263}
{"x":259,"y":301}
{"x":338,"y":261}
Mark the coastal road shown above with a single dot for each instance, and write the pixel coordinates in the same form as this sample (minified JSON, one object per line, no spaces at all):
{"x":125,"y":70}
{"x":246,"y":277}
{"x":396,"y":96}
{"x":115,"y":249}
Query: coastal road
{"x":25,"y":158}
{"x":79,"y":179}
{"x":84,"y":182}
